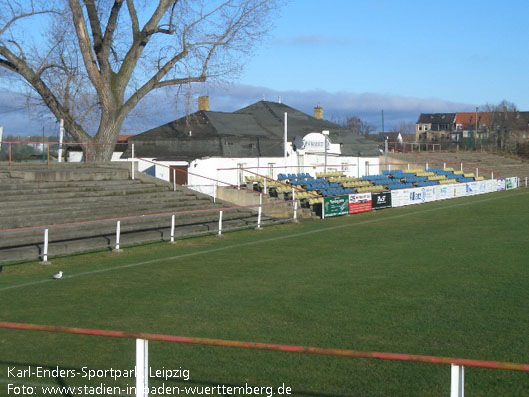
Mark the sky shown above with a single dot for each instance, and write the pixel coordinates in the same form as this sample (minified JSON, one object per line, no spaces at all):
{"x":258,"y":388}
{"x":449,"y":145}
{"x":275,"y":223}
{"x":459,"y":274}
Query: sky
{"x":358,"y":57}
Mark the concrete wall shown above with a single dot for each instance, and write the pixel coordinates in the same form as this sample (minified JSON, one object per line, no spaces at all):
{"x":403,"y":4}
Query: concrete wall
{"x":244,"y":197}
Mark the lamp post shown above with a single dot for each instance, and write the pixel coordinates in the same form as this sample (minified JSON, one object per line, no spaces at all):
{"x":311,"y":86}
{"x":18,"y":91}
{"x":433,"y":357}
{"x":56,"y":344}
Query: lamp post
{"x":476,"y":134}
{"x":325,"y":135}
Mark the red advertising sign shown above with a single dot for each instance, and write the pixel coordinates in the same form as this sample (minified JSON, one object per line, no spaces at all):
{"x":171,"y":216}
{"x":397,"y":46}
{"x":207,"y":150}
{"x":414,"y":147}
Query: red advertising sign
{"x":360,"y":202}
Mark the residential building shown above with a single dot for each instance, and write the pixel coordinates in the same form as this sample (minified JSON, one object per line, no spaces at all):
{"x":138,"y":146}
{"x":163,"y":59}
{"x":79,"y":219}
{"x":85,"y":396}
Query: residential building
{"x":434,"y":127}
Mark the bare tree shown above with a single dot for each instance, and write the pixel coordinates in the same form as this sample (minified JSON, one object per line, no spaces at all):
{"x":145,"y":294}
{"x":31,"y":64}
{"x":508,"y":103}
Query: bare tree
{"x":358,"y":126}
{"x":504,"y":122}
{"x":97,"y":59}
{"x":405,"y":127}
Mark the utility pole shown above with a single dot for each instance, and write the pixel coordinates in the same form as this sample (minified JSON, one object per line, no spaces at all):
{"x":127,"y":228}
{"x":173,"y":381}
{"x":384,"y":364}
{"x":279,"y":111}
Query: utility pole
{"x":476,"y":134}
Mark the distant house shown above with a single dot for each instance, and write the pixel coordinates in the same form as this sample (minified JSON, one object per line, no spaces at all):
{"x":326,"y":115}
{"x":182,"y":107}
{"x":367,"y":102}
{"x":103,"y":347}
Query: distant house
{"x":206,"y":141}
{"x":434,"y":127}
{"x":466,"y":125}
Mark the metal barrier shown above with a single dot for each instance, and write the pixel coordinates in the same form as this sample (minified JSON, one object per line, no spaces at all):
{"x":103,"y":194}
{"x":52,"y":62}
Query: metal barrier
{"x":44,"y":149}
{"x":118,"y":243}
{"x":142,"y":378}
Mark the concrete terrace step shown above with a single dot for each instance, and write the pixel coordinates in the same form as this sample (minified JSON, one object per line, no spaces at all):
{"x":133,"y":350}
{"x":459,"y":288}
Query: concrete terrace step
{"x":66,"y":192}
{"x":207,"y":221}
{"x":107,"y":241}
{"x":92,"y":174}
{"x":61,"y":215}
{"x":85,"y":200}
{"x":20,"y":185}
{"x":87,"y":194}
{"x":110,"y":206}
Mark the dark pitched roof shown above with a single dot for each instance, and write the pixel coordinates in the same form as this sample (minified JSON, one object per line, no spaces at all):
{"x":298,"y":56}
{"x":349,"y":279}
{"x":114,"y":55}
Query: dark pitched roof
{"x":436,"y":118}
{"x":256,"y":130}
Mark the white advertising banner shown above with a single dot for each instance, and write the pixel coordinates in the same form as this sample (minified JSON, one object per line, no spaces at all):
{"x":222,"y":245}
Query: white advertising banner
{"x":492,"y":185}
{"x":419,"y":195}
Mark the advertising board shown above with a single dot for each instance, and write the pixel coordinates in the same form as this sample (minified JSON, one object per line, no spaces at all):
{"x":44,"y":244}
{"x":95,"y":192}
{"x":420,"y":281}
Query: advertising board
{"x":511,"y":183}
{"x":381,"y":200}
{"x":335,"y":206}
{"x":360,"y":202}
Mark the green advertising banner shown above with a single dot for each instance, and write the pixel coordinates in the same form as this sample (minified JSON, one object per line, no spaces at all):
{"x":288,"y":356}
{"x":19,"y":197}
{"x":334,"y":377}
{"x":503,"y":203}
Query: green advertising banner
{"x":335,"y":206}
{"x":511,"y":183}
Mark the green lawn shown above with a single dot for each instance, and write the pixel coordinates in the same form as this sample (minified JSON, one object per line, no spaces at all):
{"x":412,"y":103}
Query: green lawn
{"x":445,"y":279}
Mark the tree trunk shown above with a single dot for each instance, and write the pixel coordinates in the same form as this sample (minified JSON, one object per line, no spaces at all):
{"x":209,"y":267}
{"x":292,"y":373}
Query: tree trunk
{"x":104,"y":143}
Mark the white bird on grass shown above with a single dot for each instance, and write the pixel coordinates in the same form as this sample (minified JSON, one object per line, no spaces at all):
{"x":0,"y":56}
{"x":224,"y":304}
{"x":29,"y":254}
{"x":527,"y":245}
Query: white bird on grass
{"x":57,"y":276}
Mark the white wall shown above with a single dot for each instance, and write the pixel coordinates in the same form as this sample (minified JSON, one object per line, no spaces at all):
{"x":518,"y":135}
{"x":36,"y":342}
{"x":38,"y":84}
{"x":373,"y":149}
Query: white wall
{"x":77,"y":157}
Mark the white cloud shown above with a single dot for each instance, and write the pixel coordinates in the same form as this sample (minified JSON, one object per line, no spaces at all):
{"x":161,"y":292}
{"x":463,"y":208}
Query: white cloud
{"x":312,"y":41}
{"x":162,"y":107}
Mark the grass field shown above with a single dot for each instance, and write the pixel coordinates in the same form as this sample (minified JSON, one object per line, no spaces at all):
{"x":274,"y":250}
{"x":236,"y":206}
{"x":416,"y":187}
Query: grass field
{"x":445,"y":279}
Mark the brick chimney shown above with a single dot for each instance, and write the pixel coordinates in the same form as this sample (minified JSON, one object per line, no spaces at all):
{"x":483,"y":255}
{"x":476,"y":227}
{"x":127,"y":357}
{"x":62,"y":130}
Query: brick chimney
{"x":203,"y":103}
{"x":318,"y":113}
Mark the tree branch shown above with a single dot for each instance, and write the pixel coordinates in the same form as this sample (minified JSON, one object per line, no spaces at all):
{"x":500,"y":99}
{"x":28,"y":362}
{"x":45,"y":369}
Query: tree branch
{"x":84,"y":45}
{"x":139,"y":43}
{"x":15,"y":64}
{"x":133,"y":19}
{"x":8,"y":65}
{"x":21,"y":16}
{"x":152,"y":82}
{"x":184,"y":80}
{"x":111,"y":27}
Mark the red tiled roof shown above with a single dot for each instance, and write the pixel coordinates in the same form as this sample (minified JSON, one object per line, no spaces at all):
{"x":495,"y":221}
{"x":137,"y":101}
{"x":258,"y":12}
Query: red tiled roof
{"x":468,"y":119}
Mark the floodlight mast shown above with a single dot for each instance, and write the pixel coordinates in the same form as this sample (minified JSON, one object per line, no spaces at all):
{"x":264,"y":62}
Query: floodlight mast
{"x":285,"y":141}
{"x":325,"y":135}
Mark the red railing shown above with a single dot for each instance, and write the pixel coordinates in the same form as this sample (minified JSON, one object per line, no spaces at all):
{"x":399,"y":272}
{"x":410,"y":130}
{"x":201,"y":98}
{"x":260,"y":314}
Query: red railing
{"x":60,"y":145}
{"x":141,"y":338}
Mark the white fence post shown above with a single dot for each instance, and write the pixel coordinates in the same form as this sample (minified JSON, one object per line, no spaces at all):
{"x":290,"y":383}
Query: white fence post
{"x":260,"y":211}
{"x":265,"y":186}
{"x":458,"y":381}
{"x":45,"y":248}
{"x":461,"y":166}
{"x":426,"y":166}
{"x":220,"y":223}
{"x":61,"y":137}
{"x":408,"y":165}
{"x":525,"y":181}
{"x":132,"y":162}
{"x":118,"y":232}
{"x":142,"y":368}
{"x":477,"y":172}
{"x":444,"y":166}
{"x":295,"y":204}
{"x":174,"y":180}
{"x":172,"y":229}
{"x":492,"y":175}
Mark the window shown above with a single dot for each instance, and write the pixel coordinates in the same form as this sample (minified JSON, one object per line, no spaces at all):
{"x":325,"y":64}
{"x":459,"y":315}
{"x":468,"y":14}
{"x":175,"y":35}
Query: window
{"x":271,"y":170}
